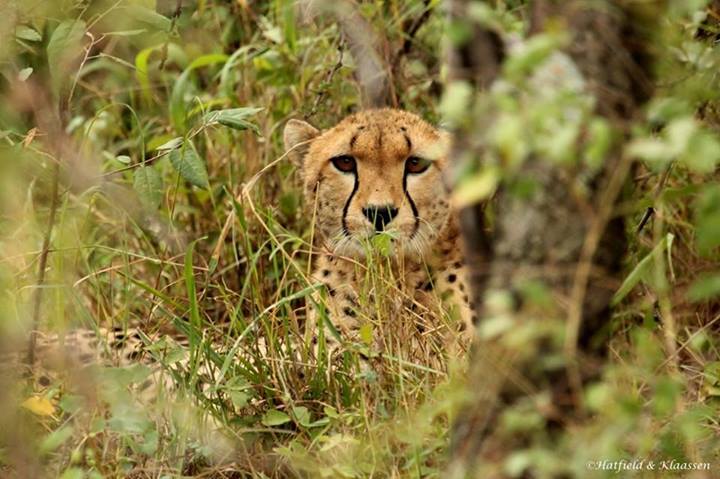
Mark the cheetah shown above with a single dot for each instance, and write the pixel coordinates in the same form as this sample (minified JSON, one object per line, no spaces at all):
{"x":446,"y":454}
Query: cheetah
{"x":380,"y":174}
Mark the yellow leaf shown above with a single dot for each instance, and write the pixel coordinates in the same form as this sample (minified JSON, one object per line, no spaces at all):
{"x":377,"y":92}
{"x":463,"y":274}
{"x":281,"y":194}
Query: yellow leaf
{"x":366,"y":333}
{"x":39,"y":405}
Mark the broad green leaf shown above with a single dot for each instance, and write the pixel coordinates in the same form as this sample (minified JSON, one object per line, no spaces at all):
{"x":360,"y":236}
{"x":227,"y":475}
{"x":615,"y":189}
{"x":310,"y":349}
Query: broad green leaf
{"x":171,"y":144}
{"x":531,"y":54}
{"x":187,"y":162}
{"x":24,"y":32}
{"x":642,"y":269}
{"x":235,"y":118}
{"x":454,"y":105}
{"x":702,"y":153}
{"x":149,"y":186}
{"x":148,"y":18}
{"x":650,"y":149}
{"x":275,"y":418}
{"x":65,"y":45}
{"x":477,"y":187}
{"x":302,"y":415}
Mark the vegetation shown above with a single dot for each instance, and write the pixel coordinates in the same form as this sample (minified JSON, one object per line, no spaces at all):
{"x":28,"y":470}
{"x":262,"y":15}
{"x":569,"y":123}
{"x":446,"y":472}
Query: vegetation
{"x":143,"y":183}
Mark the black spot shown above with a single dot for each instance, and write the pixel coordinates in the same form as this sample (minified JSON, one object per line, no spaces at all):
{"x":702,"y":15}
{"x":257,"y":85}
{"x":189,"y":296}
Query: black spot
{"x":461,"y":287}
{"x":349,"y":312}
{"x":463,"y":326}
{"x":457,"y":265}
{"x":474,"y":319}
{"x":44,"y":381}
{"x":315,"y":340}
{"x":326,"y":272}
{"x":118,"y":344}
{"x":134,"y":355}
{"x":428,"y":286}
{"x":465,"y":298}
{"x":452,"y":277}
{"x":331,"y":291}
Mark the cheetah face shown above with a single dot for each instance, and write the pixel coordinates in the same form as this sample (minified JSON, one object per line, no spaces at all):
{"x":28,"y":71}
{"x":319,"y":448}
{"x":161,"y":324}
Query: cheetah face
{"x":378,"y":171}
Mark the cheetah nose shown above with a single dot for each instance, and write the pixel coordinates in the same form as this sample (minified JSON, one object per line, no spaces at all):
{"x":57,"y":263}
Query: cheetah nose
{"x":380,"y":216}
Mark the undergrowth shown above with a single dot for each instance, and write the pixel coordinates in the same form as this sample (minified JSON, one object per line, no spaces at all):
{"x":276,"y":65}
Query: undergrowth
{"x":176,"y":212}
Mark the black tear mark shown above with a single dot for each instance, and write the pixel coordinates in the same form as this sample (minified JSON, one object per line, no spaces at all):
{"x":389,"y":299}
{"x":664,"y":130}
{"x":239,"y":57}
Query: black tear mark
{"x":352,"y":141}
{"x":380,"y":139}
{"x":412,"y":206}
{"x":346,"y":231}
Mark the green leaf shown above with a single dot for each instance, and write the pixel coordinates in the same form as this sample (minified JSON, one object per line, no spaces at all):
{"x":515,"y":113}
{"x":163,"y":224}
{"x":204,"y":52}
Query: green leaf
{"x":73,"y":473}
{"x":477,"y":187}
{"x":454,"y":104}
{"x":142,"y":70}
{"x":24,"y":32}
{"x":275,"y":418}
{"x":64,"y":47}
{"x":187,"y":162}
{"x":702,"y":153}
{"x":235,"y":118}
{"x":56,"y":439}
{"x":191,"y":287}
{"x":642,"y":269}
{"x":148,"y":18}
{"x":171,"y":144}
{"x":149,"y":186}
{"x":302,"y":415}
{"x":178,"y":110}
{"x":707,"y":287}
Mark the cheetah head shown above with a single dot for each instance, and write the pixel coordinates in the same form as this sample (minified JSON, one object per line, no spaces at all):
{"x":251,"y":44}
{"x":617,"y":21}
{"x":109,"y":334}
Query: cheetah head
{"x":376,"y":172}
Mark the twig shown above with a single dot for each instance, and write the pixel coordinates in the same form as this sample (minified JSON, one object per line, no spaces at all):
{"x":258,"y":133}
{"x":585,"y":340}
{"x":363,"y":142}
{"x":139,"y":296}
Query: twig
{"x":650,"y":210}
{"x":411,"y":29}
{"x":37,"y":296}
{"x":173,"y":21}
{"x":331,"y":74}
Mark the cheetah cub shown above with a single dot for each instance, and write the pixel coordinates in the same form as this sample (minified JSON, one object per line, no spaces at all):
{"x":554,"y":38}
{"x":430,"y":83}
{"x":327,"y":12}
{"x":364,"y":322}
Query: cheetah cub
{"x":379,"y":174}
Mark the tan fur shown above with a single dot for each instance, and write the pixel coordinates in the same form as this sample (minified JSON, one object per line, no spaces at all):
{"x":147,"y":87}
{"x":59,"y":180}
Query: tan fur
{"x":426,"y":263}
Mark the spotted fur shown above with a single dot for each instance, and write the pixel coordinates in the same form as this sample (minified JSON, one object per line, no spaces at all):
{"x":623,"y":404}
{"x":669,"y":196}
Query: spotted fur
{"x":364,"y":167}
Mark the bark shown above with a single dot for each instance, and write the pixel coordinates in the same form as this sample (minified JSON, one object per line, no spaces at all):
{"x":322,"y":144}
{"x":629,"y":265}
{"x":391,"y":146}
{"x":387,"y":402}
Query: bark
{"x":572,"y":243}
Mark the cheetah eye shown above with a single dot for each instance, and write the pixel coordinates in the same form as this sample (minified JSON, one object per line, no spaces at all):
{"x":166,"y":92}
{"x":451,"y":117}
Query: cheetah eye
{"x":344,"y":163}
{"x":415,"y":165}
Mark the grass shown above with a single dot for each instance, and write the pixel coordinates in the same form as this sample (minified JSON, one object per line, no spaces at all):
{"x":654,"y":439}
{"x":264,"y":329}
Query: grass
{"x":225,"y":263}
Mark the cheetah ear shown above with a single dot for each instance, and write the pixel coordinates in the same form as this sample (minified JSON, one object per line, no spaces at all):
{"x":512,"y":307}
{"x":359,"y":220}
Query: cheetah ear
{"x":297,"y":132}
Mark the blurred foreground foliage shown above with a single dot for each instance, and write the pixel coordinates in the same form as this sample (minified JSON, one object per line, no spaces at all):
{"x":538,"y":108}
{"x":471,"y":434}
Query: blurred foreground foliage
{"x":156,"y":118}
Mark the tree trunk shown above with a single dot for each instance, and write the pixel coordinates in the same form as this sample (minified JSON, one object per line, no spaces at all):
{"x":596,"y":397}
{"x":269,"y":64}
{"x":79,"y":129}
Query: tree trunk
{"x":570,"y":242}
